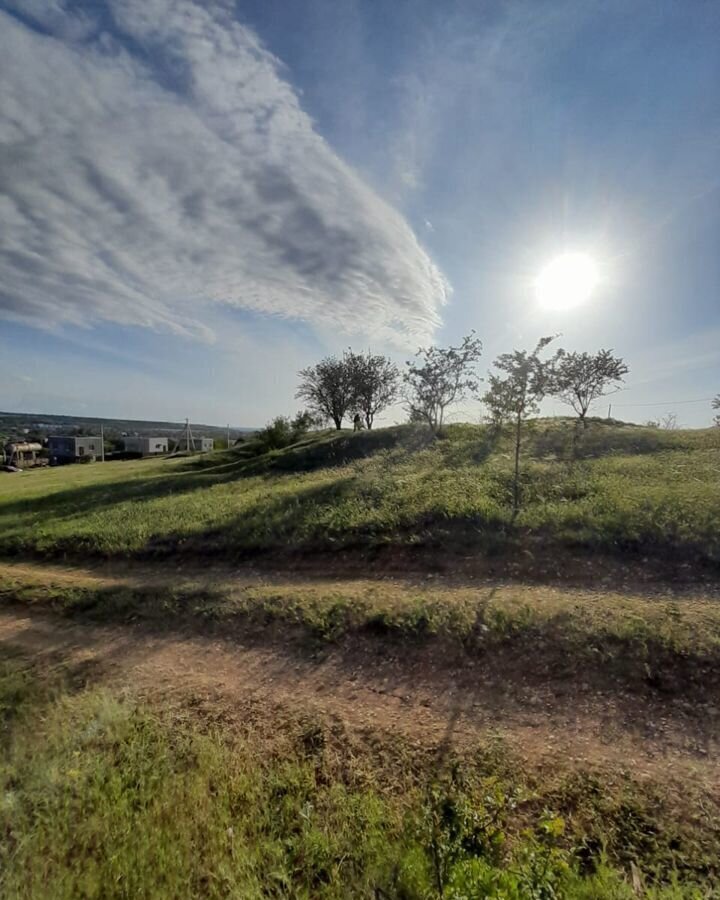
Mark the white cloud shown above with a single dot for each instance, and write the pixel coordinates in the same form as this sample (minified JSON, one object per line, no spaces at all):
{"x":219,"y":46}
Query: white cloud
{"x":153,"y":162}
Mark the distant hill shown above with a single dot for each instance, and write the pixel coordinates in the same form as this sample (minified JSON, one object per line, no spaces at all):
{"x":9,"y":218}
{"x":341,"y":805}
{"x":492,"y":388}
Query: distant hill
{"x":21,"y":424}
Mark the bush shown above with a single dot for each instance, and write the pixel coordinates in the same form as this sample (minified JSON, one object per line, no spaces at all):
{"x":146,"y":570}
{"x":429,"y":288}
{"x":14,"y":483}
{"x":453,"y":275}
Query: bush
{"x":282,"y":432}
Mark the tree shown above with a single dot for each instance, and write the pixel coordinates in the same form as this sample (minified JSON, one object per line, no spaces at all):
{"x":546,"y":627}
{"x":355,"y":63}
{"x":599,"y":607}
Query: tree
{"x":579,"y":379}
{"x":515,"y":394}
{"x":327,"y":389}
{"x":716,"y":405}
{"x":375,"y":383}
{"x":440,"y":377}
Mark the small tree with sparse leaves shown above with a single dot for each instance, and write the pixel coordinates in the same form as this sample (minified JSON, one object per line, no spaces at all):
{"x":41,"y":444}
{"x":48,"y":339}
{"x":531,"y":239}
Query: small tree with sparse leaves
{"x":440,"y":377}
{"x":716,"y":405}
{"x":578,"y":379}
{"x":515,"y":393}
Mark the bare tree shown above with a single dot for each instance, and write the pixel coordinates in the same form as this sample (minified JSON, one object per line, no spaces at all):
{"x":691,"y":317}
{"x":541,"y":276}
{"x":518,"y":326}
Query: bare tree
{"x":327,"y":389}
{"x":375,"y":383}
{"x":579,"y":379}
{"x":440,"y":377}
{"x":515,"y":394}
{"x":716,"y":405}
{"x":669,"y":422}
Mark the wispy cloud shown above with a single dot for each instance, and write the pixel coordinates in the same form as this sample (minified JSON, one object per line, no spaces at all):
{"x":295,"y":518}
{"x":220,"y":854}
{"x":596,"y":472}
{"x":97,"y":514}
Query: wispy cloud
{"x":154,"y":162}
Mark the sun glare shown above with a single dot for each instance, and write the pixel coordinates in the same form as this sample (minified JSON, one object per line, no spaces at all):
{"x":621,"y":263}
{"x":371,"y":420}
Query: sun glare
{"x":568,"y":281}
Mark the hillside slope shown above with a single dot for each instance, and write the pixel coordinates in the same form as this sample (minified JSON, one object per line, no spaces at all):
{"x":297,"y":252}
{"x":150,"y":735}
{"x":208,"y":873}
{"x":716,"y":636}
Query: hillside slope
{"x":630,"y":490}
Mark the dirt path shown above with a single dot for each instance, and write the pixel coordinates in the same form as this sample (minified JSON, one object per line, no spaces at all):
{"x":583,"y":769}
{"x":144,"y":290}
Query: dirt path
{"x":606,"y":574}
{"x":366,"y":693}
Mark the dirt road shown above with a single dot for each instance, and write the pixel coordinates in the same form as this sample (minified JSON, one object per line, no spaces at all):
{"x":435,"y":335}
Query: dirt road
{"x":363,"y":691}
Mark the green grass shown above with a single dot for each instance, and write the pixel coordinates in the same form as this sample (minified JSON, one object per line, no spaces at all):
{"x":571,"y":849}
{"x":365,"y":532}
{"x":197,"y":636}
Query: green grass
{"x":102,"y":796}
{"x":631,"y":490}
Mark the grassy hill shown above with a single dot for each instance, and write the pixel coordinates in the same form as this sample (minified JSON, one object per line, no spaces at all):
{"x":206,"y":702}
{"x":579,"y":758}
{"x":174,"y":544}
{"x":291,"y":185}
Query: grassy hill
{"x":630,"y":490}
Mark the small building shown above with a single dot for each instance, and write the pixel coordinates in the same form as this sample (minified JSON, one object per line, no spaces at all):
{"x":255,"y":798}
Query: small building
{"x":204,"y":444}
{"x":146,"y":446}
{"x":72,"y":448}
{"x":23,"y":453}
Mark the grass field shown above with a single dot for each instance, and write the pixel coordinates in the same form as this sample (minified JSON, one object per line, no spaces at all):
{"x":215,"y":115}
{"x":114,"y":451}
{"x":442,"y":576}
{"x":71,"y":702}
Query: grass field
{"x":633,"y":490}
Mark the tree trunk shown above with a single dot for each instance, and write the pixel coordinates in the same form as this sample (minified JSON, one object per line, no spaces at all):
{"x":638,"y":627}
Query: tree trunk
{"x":368,"y":421}
{"x":516,"y":483}
{"x":577,"y":433}
{"x":338,"y":422}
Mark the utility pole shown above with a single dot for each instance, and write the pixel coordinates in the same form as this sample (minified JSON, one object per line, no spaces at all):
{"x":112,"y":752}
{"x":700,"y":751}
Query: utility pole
{"x":186,"y":436}
{"x":102,"y":443}
{"x":609,"y":409}
{"x":228,"y":436}
{"x":189,"y":440}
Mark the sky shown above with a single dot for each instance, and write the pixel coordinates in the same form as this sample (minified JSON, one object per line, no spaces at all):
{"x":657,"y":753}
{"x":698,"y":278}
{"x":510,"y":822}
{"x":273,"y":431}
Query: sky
{"x":199,"y":199}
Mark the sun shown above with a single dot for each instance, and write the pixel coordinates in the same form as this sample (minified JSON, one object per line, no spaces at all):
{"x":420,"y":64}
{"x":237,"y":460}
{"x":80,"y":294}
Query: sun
{"x":567,"y":281}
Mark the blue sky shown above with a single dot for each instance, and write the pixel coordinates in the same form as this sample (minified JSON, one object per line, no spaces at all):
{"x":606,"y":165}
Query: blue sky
{"x":197,"y":200}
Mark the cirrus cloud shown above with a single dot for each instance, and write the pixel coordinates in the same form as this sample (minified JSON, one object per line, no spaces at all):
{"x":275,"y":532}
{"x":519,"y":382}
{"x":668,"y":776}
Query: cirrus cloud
{"x":154,"y":163}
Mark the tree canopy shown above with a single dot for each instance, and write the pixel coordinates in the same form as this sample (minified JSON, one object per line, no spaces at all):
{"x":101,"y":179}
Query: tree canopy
{"x":375,"y":383}
{"x":578,"y":379}
{"x":327,"y":389}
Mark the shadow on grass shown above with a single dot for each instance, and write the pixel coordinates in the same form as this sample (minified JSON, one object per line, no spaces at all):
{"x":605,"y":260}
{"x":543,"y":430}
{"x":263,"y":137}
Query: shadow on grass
{"x":341,"y":448}
{"x":466,"y":445}
{"x":274,"y":521}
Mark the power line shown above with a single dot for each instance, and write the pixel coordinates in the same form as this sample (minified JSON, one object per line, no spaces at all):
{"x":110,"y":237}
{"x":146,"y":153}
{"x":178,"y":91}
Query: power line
{"x":667,"y":402}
